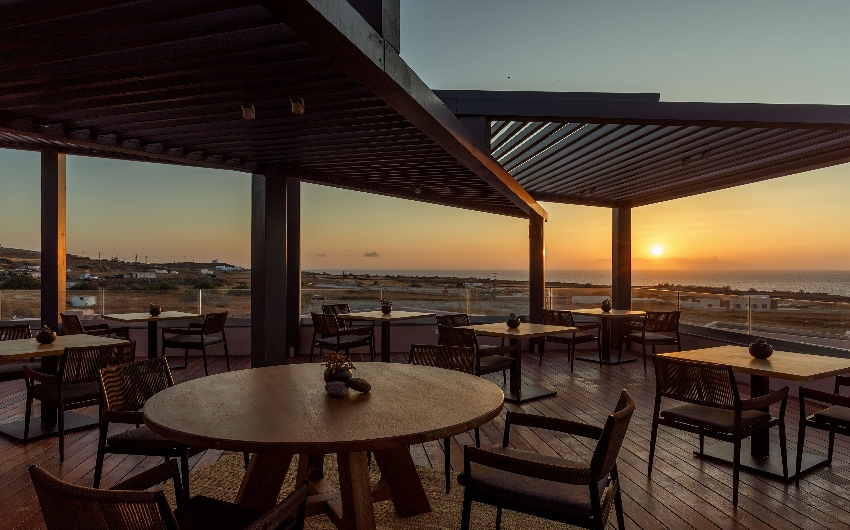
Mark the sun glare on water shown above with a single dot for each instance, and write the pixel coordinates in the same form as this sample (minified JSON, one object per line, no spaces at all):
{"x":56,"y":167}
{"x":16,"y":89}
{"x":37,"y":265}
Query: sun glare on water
{"x":657,"y":250}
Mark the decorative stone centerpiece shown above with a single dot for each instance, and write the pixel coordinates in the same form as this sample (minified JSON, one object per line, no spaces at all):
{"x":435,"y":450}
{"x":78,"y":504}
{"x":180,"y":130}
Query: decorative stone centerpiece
{"x":45,"y":335}
{"x":606,"y":305}
{"x":513,"y":321}
{"x":386,"y":307}
{"x":154,"y":309}
{"x":760,"y":349}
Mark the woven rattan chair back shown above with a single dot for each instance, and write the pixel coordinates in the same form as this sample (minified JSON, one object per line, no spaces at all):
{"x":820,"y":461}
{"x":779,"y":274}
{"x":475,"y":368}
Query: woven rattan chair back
{"x":613,"y":434}
{"x":458,"y":337}
{"x":662,"y":321}
{"x":71,"y":507}
{"x":335,"y":309}
{"x":126,"y":387}
{"x":16,"y":332}
{"x":448,"y":357}
{"x":325,"y":325}
{"x":552,"y":317}
{"x":71,"y":324}
{"x":453,"y":320}
{"x":699,"y":383}
{"x":214,"y":323}
{"x":82,"y":365}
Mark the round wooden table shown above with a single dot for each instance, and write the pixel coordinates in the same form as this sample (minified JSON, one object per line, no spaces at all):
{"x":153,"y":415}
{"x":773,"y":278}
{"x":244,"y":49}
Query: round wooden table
{"x":280,"y":411}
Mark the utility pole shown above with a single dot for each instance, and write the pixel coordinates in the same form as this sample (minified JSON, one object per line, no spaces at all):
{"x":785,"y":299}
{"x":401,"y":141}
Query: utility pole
{"x":137,"y":258}
{"x":494,"y":286}
{"x":146,"y":260}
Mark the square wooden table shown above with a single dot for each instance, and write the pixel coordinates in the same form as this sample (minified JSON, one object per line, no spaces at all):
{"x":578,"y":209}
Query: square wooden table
{"x":781,"y":365}
{"x":605,"y":333}
{"x":384,"y":319}
{"x":49,"y":353}
{"x":152,"y":324}
{"x":517,"y":392}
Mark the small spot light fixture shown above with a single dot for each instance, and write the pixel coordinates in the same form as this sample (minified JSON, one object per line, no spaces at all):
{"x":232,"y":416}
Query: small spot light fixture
{"x":447,"y":188}
{"x":297,"y":105}
{"x":248,"y":110}
{"x":417,"y":190}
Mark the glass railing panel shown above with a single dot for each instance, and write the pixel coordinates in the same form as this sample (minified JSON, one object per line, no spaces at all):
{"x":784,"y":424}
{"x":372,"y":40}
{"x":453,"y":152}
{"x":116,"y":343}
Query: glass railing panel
{"x":498,"y":302}
{"x":16,"y":304}
{"x":644,"y":299}
{"x":237,"y":302}
{"x":810,"y":321}
{"x":577,"y":297}
{"x":714,"y":310}
{"x":137,"y":301}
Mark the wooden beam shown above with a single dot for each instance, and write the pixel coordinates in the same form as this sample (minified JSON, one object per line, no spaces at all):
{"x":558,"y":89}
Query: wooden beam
{"x":536,"y":268}
{"x":621,"y":258}
{"x":53,"y":254}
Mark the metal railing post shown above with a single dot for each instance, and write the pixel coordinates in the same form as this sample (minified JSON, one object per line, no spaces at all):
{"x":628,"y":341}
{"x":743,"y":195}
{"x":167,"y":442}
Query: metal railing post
{"x":200,"y":302}
{"x":102,"y":302}
{"x":749,"y":316}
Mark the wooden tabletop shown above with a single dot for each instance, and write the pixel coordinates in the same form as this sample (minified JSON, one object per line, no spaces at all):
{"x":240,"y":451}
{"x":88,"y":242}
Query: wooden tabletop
{"x":26,"y":348}
{"x":286,"y":408}
{"x":781,"y":365}
{"x":377,"y":316}
{"x":147,"y":317}
{"x":614,"y":313}
{"x":524,"y":331}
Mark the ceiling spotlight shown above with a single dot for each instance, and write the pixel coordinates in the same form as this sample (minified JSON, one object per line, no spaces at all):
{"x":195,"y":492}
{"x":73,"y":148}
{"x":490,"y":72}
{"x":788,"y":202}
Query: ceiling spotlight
{"x":686,"y":161}
{"x":417,"y":190}
{"x":297,"y":105}
{"x":447,"y":188}
{"x":706,"y":154}
{"x":248,"y":110}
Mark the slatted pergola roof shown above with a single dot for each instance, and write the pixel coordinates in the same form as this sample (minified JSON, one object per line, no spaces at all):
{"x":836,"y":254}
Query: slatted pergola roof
{"x":164,"y":81}
{"x":632,"y":150}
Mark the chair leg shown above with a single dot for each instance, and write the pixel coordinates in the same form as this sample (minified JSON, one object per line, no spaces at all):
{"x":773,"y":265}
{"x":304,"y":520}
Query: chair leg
{"x":246,"y":457}
{"x":571,"y":355}
{"x":466,"y":512}
{"x":184,"y":470}
{"x":504,"y":378}
{"x":801,"y":438}
{"x":27,"y":414}
{"x":477,"y":437}
{"x":204,"y":355}
{"x":101,"y":450}
{"x":644,"y":358}
{"x":498,"y":517}
{"x":61,"y":414}
{"x":447,"y":449}
{"x":226,"y":356}
{"x":618,"y":502}
{"x":540,"y":345}
{"x":653,"y":437}
{"x":783,"y":448}
{"x":185,"y":358}
{"x":736,"y":470}
{"x":701,"y":443}
{"x":830,"y":447}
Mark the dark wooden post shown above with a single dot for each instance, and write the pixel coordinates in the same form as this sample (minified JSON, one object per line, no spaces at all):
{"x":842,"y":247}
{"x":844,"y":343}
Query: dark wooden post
{"x":268,"y":270}
{"x":536,"y":268}
{"x":621,"y":258}
{"x":52,"y":237}
{"x":293,"y":266}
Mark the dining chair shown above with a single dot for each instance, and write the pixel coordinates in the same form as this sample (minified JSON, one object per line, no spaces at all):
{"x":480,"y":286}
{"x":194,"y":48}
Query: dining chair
{"x":713,"y":407}
{"x":124,"y":390}
{"x":455,"y":320}
{"x":15,"y":371}
{"x":344,"y":309}
{"x":198,"y":337}
{"x":75,"y":384}
{"x":328,"y":334}
{"x":659,"y":328}
{"x":127,"y":506}
{"x":448,"y":358}
{"x":487,"y":359}
{"x":835,"y":418}
{"x":73,"y":326}
{"x":571,"y":339}
{"x":572,"y":492}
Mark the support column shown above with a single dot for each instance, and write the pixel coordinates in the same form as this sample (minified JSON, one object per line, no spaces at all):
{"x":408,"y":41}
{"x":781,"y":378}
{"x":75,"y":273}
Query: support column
{"x":52,"y":237}
{"x":621,"y":258}
{"x":268,"y":270}
{"x":293,"y":266}
{"x":536,"y":268}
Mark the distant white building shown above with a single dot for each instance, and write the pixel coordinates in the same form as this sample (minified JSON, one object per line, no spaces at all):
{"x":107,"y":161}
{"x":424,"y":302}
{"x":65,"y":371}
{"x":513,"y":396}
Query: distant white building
{"x":161,"y":271}
{"x":228,"y":268}
{"x":83,"y":300}
{"x":473,"y":285}
{"x":207,"y":271}
{"x":143,"y":275}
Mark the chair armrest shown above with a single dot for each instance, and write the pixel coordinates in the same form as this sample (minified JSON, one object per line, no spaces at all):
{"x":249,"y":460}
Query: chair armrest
{"x":636,"y":326}
{"x":496,"y":350}
{"x":182,"y":331}
{"x":554,"y":424}
{"x":154,"y":476}
{"x":94,"y":327}
{"x":124,"y":416}
{"x":823,"y":397}
{"x":98,"y":332}
{"x":292,"y":506}
{"x":765,"y":400}
{"x":528,"y":468}
{"x":41,"y":377}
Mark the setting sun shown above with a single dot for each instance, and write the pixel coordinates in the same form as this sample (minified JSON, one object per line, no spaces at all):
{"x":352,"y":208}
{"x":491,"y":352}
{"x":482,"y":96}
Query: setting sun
{"x":657,"y":250}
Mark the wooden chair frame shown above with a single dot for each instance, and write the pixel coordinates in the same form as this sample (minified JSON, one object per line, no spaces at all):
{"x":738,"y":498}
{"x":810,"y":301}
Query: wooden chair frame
{"x":73,"y":326}
{"x":214,"y":324}
{"x":565,"y":318}
{"x":327,"y":326}
{"x":817,"y":421}
{"x":657,"y":322}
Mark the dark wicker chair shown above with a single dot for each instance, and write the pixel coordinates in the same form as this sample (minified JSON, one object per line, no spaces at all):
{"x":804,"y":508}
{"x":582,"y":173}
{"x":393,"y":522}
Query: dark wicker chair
{"x":659,"y":328}
{"x":449,"y":358}
{"x":75,"y":384}
{"x":344,"y":309}
{"x":565,"y":318}
{"x":128,"y":507}
{"x":15,"y":371}
{"x":199,"y":337}
{"x":124,"y":390}
{"x":487,"y":359}
{"x":73,"y":326}
{"x":713,"y":408}
{"x":329,"y":334}
{"x":835,"y":418}
{"x":455,"y":320}
{"x":571,"y":492}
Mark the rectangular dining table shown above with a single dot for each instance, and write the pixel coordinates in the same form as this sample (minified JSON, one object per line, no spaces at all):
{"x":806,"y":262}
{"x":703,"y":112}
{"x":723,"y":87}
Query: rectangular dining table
{"x":789,"y":366}
{"x":49,"y":353}
{"x":152,"y":324}
{"x":607,"y":317}
{"x":385,"y":319}
{"x":517,"y":392}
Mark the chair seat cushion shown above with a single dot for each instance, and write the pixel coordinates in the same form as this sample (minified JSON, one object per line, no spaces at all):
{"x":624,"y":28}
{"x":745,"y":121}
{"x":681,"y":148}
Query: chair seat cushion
{"x":10,"y":372}
{"x":141,"y":438}
{"x":834,"y":414}
{"x":658,"y":338}
{"x":495,"y":363}
{"x":204,"y":513}
{"x":536,"y":494}
{"x":182,"y":341}
{"x":722,"y":420}
{"x":74,"y":393}
{"x":569,"y":339}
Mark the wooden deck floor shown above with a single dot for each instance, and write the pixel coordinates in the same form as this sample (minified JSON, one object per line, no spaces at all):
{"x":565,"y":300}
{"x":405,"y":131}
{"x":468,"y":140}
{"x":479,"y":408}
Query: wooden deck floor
{"x":685,"y":492}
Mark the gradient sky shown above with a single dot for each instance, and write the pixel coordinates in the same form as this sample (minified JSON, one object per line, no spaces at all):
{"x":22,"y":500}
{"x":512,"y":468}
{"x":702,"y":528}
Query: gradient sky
{"x":723,"y":51}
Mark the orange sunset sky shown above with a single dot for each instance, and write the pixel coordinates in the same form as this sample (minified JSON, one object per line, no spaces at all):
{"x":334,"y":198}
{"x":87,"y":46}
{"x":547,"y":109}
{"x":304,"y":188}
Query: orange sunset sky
{"x":725,"y":51}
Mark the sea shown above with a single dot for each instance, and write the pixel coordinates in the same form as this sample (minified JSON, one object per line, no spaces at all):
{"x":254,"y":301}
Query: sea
{"x":821,"y":282}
